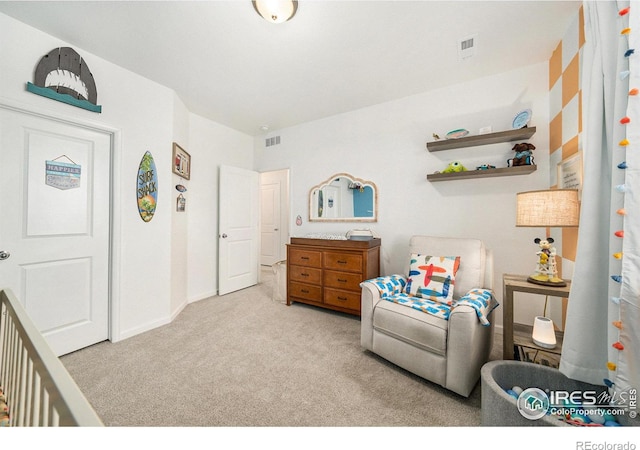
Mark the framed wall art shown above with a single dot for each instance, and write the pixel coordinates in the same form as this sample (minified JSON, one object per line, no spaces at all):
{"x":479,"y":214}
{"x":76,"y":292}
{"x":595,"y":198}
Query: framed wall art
{"x":181,"y":162}
{"x":570,"y":172}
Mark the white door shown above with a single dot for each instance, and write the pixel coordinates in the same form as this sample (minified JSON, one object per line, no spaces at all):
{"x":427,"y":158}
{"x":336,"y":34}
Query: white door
{"x":54,"y":225}
{"x":238,"y":229}
{"x":274,"y":215}
{"x":270,"y":223}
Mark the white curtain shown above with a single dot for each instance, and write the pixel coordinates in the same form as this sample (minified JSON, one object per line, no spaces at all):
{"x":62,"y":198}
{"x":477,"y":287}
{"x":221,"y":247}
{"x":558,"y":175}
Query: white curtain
{"x":601,"y":342}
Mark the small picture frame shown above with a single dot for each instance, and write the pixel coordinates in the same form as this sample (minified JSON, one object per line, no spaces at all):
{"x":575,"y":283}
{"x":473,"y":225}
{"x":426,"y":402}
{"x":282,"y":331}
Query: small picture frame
{"x":570,"y":172}
{"x":181,"y":162}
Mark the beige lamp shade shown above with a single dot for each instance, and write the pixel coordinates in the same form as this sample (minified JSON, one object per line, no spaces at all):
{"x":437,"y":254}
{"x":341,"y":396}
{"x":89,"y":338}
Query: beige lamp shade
{"x":549,"y":208}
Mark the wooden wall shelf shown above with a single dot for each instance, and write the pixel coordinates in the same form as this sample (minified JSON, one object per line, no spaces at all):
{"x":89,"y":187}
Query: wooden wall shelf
{"x":502,"y":172}
{"x":482,"y":139}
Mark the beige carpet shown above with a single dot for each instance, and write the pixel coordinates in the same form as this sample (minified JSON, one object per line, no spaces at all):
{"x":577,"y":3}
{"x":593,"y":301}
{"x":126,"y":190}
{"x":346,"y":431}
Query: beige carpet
{"x":245,"y":359}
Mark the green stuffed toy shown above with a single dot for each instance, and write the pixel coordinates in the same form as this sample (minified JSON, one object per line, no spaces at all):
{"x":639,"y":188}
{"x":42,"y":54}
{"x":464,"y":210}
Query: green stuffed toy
{"x":454,"y":166}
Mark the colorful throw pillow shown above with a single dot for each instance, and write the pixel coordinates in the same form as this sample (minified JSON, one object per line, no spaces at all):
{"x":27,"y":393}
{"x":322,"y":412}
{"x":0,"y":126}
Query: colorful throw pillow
{"x":432,"y":277}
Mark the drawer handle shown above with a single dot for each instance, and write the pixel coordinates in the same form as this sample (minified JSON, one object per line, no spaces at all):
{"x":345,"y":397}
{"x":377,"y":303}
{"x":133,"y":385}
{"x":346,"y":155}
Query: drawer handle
{"x":341,"y":262}
{"x":341,"y":280}
{"x":344,"y":299}
{"x":304,"y":257}
{"x":304,"y":274}
{"x":304,"y":291}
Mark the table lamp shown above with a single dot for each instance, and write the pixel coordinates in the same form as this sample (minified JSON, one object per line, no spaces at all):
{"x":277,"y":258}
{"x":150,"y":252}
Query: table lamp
{"x":547,"y":208}
{"x":543,"y":333}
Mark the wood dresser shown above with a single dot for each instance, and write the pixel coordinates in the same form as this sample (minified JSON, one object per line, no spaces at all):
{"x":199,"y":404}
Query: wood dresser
{"x":327,"y":273}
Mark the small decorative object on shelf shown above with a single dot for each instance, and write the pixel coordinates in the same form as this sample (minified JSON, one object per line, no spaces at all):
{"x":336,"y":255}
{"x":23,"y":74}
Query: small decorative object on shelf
{"x":455,"y":166}
{"x":521,"y":120}
{"x":523,"y":156}
{"x":485,"y":167}
{"x":455,"y":134}
{"x":546,"y":272}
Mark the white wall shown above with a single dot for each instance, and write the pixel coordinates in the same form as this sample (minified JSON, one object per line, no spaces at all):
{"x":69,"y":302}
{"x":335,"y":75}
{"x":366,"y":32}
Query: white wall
{"x":386,"y":143}
{"x":210,"y":145}
{"x":179,"y":220}
{"x":152,"y":259}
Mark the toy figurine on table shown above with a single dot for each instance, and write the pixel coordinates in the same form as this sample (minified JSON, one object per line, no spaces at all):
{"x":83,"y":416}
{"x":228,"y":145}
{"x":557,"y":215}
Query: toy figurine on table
{"x":546,"y":268}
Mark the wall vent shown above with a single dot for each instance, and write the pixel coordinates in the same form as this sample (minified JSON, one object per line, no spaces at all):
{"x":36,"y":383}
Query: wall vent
{"x":275,"y":140}
{"x":467,"y":47}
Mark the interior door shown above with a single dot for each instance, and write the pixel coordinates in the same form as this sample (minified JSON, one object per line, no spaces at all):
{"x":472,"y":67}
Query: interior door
{"x":238,"y":229}
{"x":274,"y":216}
{"x":55,"y":225}
{"x":270,"y":228}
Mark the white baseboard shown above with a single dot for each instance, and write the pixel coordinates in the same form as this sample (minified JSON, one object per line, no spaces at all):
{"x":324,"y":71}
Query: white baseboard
{"x":203,"y":296}
{"x":141,"y":329}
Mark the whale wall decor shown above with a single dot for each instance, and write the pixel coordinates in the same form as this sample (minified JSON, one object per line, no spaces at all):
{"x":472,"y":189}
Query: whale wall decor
{"x":64,"y":76}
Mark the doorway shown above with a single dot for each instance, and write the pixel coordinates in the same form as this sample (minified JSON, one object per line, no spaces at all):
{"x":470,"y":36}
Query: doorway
{"x":274,"y":216}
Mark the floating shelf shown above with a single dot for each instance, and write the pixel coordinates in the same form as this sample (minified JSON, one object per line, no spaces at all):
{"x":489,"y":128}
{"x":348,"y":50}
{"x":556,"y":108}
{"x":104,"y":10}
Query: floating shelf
{"x":482,"y":139}
{"x":488,"y":173}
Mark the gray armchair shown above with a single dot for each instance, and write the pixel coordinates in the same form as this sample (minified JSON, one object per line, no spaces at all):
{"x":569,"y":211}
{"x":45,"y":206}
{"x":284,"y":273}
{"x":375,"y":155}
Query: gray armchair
{"x":447,"y":351}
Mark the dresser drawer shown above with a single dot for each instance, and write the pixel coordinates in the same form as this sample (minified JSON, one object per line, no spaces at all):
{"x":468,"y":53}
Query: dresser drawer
{"x":343,"y":261}
{"x":305,"y":274}
{"x":307,"y":258}
{"x":342,"y":280}
{"x":344,"y":299}
{"x":305,"y":291}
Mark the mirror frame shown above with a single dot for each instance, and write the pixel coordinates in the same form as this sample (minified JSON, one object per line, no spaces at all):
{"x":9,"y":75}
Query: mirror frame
{"x":327,"y":182}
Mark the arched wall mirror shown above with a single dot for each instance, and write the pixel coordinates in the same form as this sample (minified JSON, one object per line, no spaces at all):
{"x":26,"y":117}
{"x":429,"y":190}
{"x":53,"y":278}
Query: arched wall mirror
{"x":343,"y":198}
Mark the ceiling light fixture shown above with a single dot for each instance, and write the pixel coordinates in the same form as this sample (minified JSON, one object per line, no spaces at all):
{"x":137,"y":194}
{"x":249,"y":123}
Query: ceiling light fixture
{"x":276,"y":11}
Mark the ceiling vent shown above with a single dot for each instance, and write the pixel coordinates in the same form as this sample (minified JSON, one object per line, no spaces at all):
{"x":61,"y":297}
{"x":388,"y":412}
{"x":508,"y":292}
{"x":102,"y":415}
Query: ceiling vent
{"x":467,"y":47}
{"x":275,"y":140}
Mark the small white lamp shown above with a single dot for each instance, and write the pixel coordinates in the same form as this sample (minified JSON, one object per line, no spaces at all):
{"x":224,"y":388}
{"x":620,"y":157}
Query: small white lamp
{"x":543,"y":332}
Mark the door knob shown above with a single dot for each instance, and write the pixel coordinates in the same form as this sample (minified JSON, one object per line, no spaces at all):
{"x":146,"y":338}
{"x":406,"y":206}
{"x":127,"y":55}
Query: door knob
{"x":224,"y":235}
{"x":4,"y":255}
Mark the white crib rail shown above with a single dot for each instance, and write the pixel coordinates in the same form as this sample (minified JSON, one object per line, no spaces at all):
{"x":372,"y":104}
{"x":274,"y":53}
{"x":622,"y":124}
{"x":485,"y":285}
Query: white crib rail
{"x":38,"y":389}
